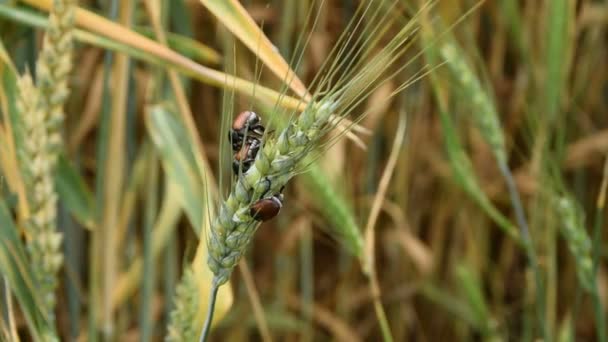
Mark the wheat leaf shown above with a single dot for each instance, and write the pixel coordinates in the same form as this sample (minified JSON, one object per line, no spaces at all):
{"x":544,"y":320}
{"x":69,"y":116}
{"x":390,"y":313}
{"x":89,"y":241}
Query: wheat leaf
{"x":232,"y":14}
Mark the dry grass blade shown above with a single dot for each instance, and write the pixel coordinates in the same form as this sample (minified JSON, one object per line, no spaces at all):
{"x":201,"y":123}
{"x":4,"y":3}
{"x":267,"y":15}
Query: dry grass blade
{"x":98,"y":24}
{"x":585,"y":151}
{"x":7,"y":322}
{"x":200,"y":153}
{"x":324,"y":317}
{"x":232,"y":14}
{"x":598,"y":304}
{"x":601,"y":198}
{"x":90,"y":115}
{"x":370,"y":240}
{"x":8,"y":158}
{"x":256,"y":304}
{"x":126,"y":284}
{"x":114,"y":172}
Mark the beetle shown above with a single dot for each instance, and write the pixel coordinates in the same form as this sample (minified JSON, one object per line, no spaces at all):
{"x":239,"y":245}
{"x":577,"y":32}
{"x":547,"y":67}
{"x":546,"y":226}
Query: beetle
{"x":245,"y":157}
{"x":247,"y":125}
{"x":266,"y":208}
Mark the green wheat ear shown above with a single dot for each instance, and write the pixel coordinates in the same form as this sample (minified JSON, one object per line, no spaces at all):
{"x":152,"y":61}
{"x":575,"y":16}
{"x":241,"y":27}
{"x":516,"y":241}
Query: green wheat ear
{"x":341,"y":87}
{"x":274,"y":165}
{"x":234,"y":227}
{"x":186,"y":308}
{"x":37,"y":164}
{"x":573,"y":230}
{"x":484,"y":112}
{"x":54,"y":65}
{"x":42,"y":115}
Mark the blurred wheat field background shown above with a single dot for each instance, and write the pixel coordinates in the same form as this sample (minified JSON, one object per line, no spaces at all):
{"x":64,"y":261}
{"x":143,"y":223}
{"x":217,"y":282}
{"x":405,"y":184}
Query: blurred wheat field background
{"x":458,"y":192}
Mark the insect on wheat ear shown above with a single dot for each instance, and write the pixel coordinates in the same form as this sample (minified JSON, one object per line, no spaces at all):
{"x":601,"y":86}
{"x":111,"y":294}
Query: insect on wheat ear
{"x":246,"y":126}
{"x":245,"y":150}
{"x":245,"y":157}
{"x":245,"y":137}
{"x":266,"y":208}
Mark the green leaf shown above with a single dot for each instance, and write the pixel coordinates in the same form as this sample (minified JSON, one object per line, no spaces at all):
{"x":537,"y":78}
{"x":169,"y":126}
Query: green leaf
{"x":171,"y":141}
{"x":74,"y":193}
{"x":8,"y":88}
{"x":9,"y":116}
{"x":15,"y":267}
{"x":471,"y":290}
{"x":335,"y":209}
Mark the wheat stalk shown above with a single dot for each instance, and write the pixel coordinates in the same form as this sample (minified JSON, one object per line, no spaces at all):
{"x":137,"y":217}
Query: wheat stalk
{"x":486,"y":118}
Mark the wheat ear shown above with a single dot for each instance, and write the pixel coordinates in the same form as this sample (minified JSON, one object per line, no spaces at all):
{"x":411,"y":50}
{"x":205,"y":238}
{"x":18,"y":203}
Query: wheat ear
{"x":53,"y":67}
{"x":42,"y":114}
{"x":573,"y":230}
{"x":37,"y":167}
{"x":233,"y":227}
{"x":186,"y":308}
{"x":274,"y":165}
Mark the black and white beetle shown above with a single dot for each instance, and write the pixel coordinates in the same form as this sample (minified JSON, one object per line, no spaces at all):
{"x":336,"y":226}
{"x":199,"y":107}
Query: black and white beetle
{"x":245,"y":157}
{"x":246,"y":126}
{"x":245,"y":136}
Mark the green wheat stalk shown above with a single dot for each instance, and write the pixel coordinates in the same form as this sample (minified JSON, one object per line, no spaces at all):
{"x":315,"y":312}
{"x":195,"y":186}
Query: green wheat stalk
{"x":485,"y":116}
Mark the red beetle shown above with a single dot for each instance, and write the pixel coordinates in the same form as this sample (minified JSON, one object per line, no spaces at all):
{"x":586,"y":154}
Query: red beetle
{"x":266,"y":208}
{"x":244,"y":119}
